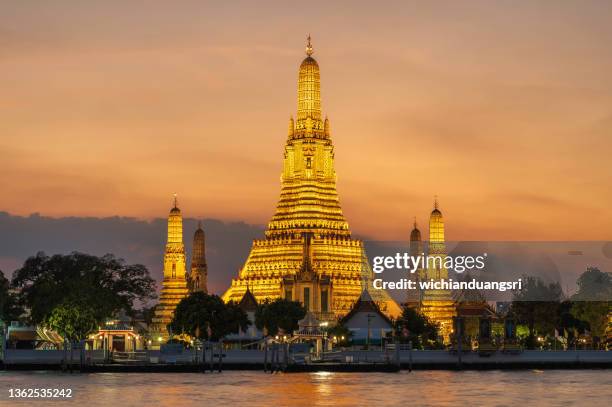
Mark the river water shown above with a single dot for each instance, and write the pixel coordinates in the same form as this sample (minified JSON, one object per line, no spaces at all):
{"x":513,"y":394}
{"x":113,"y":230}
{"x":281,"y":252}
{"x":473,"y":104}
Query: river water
{"x":419,"y":388}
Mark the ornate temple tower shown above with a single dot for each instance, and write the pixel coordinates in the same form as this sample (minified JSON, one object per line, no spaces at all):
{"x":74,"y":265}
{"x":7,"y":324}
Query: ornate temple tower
{"x":199,"y":270}
{"x":414,"y":297}
{"x":308,"y":253}
{"x":438,"y":305}
{"x":174,"y":285}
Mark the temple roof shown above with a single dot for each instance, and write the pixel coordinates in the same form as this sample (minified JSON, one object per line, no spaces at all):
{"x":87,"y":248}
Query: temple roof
{"x":472,"y":303}
{"x":248,"y":301}
{"x":309,"y":321}
{"x":308,"y":327}
{"x":365,"y":303}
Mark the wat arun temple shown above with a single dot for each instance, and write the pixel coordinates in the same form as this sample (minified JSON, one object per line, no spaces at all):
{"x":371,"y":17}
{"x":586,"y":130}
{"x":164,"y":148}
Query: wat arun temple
{"x":308,"y":253}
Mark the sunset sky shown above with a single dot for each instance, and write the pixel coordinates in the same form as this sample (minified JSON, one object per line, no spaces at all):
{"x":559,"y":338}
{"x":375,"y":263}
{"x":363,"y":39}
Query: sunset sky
{"x":502,"y":109}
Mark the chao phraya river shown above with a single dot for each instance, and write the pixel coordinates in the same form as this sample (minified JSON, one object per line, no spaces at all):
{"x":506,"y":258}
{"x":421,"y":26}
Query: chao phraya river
{"x":420,"y":388}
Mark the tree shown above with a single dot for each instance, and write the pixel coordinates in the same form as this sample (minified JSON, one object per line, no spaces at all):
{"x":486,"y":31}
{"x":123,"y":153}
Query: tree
{"x":73,"y":320}
{"x":568,"y":321}
{"x":537,"y":305}
{"x":10,"y":310}
{"x":279,"y":314}
{"x":105,"y":284}
{"x":594,"y":285}
{"x":199,"y":311}
{"x":591,"y":303}
{"x":420,"y":330}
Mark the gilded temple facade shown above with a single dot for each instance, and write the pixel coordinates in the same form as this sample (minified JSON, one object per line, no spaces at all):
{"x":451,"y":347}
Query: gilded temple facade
{"x":437,"y":305}
{"x":174,"y":284}
{"x":308,"y":253}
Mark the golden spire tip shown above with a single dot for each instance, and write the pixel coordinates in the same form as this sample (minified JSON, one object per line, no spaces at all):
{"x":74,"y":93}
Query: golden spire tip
{"x":309,"y":50}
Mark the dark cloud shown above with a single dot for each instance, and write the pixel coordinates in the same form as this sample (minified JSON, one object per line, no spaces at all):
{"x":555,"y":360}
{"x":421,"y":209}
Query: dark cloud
{"x":136,"y":241}
{"x":228,"y":245}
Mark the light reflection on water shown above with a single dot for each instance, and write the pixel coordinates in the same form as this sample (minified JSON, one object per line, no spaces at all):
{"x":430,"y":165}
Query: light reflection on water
{"x":434,"y":388}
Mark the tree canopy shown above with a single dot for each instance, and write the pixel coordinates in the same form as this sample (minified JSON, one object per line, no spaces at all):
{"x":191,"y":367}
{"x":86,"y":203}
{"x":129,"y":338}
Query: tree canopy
{"x":594,"y":285}
{"x":419,"y":329}
{"x":73,"y":320}
{"x":279,"y":314}
{"x":538,"y":306}
{"x":199,"y":311}
{"x":10,"y":310}
{"x":101,"y":286}
{"x":591,"y":303}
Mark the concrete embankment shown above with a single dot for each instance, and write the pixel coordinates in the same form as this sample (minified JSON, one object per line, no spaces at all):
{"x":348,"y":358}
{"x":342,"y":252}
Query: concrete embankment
{"x":345,"y":361}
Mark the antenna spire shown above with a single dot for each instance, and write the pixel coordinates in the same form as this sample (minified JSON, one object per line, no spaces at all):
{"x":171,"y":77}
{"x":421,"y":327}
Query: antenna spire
{"x":175,"y":201}
{"x":309,"y":50}
{"x":436,"y":202}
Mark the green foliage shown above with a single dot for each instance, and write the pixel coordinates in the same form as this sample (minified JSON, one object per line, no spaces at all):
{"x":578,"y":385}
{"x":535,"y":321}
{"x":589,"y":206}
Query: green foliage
{"x":595,"y":313}
{"x":73,"y":320}
{"x":10,"y":310}
{"x":279,"y":314}
{"x":106,"y":284}
{"x":594,"y":285}
{"x":420,"y":330}
{"x":522,"y":331}
{"x":592,"y":301}
{"x":567,"y":320}
{"x":195,"y":313}
{"x":537,"y":305}
{"x":497,"y":329}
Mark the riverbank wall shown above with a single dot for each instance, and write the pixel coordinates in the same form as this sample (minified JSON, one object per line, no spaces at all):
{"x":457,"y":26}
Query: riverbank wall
{"x":346,"y":361}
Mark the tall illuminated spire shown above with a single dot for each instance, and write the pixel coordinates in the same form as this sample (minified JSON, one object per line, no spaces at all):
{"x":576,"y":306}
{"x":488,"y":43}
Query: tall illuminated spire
{"x":309,"y":121}
{"x":309,"y":199}
{"x":308,"y":215}
{"x":174,"y":285}
{"x":438,"y":305}
{"x":436,"y":224}
{"x":175,"y":225}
